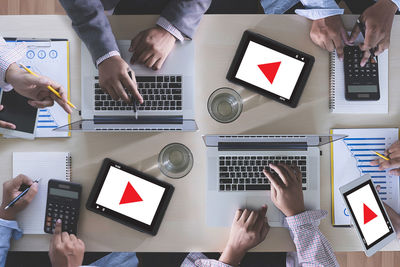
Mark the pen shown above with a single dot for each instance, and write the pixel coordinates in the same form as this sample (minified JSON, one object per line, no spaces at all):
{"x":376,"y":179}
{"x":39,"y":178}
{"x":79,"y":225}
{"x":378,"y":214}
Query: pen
{"x":380,"y":155}
{"x":20,"y":195}
{"x":48,"y":87}
{"x":362,"y":29}
{"x":133,"y":99}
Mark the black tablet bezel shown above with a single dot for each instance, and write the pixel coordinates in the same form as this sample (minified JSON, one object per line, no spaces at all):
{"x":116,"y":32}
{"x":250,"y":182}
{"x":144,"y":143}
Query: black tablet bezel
{"x":371,"y":185}
{"x":291,"y":52}
{"x":135,"y":224}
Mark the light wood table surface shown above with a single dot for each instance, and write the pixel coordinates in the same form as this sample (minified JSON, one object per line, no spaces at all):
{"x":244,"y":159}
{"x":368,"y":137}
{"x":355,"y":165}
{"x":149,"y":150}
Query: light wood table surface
{"x":184,"y":227}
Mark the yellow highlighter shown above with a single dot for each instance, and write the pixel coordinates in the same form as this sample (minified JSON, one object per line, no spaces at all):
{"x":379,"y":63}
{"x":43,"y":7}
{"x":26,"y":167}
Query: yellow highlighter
{"x":48,"y":87}
{"x":380,"y":155}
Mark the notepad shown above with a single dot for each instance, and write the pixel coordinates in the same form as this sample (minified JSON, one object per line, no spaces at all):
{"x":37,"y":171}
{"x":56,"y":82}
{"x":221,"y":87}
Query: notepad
{"x":49,"y":58}
{"x":337,"y":100}
{"x":350,"y":159}
{"x":44,"y":165}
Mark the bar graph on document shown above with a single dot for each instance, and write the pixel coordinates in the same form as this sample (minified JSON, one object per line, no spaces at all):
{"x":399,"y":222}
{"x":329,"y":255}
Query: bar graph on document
{"x":362,"y":149}
{"x":49,"y":119}
{"x":351,"y":159}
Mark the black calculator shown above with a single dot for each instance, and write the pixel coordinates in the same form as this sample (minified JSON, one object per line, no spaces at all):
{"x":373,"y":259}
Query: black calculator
{"x":361,"y":83}
{"x":63,"y":202}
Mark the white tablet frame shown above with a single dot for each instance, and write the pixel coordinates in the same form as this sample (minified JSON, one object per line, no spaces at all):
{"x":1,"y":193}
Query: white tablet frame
{"x":375,"y":248}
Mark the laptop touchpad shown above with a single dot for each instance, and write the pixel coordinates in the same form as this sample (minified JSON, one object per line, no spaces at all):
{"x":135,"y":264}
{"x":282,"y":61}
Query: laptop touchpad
{"x":255,"y":203}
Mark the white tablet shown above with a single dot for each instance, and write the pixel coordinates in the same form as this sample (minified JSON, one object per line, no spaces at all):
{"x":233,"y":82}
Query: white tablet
{"x":17,"y":111}
{"x":368,"y":214}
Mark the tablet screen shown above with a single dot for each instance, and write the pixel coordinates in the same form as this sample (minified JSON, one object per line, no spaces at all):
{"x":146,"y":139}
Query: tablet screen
{"x":17,"y":111}
{"x":270,"y":70}
{"x":371,"y":220}
{"x":130,"y":195}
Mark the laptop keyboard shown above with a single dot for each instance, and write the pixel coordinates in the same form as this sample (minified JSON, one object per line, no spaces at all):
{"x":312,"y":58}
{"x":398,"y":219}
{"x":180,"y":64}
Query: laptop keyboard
{"x":244,"y":173}
{"x":158,"y":92}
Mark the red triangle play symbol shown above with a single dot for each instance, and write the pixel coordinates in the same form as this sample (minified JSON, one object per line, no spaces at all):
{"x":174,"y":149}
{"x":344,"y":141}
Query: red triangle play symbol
{"x":368,"y":214}
{"x":270,"y":70}
{"x":130,"y":195}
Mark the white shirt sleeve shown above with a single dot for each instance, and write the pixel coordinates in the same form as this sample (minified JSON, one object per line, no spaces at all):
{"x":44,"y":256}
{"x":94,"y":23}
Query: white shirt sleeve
{"x":8,"y":56}
{"x":318,"y":9}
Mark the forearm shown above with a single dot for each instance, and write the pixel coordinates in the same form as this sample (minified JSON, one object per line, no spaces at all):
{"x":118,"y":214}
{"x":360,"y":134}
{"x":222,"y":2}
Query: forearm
{"x":313,"y":249}
{"x":8,"y":229}
{"x":8,"y":56}
{"x":91,"y":25}
{"x":185,"y":15}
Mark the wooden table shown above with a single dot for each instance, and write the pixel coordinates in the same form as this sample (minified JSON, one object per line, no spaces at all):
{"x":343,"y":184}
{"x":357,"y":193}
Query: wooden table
{"x":184,"y":227}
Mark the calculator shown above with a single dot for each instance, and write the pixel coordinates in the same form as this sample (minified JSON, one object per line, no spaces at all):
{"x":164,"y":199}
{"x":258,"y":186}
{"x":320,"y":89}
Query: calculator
{"x":63,"y":202}
{"x":361,"y":83}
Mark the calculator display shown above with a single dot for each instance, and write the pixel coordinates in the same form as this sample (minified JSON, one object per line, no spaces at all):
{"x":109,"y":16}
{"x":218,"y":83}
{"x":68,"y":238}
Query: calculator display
{"x":63,"y":193}
{"x":363,"y":88}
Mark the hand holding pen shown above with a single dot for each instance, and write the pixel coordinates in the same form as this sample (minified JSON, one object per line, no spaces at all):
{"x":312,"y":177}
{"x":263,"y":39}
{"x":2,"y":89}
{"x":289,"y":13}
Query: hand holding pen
{"x":133,"y":99}
{"x":390,"y":160}
{"x":11,"y":192}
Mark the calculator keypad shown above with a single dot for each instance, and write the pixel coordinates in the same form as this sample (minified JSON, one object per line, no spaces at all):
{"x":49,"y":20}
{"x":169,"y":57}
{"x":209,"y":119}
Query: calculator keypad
{"x":354,"y":73}
{"x":67,"y":214}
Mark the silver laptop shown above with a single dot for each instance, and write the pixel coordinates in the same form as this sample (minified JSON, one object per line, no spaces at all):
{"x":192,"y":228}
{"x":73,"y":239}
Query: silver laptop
{"x":168,"y":96}
{"x":235,"y":176}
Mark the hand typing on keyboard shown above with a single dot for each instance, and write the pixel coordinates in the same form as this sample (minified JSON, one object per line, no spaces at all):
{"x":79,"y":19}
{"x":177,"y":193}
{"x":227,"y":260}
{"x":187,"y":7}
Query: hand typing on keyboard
{"x":249,"y":228}
{"x":286,"y":191}
{"x":114,"y":79}
{"x":151,"y":47}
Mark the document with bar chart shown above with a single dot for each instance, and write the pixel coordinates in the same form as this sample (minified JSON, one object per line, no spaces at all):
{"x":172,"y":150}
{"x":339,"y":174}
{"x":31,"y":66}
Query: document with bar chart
{"x":49,"y":58}
{"x":350,"y":159}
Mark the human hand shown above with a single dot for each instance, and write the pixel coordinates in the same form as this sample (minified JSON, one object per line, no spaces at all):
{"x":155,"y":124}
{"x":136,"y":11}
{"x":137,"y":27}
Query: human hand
{"x":4,"y":124}
{"x":151,"y":47}
{"x":11,"y":191}
{"x":286,"y":189}
{"x":35,"y":88}
{"x":65,"y":250}
{"x":378,"y":20}
{"x":249,"y":228}
{"x":329,"y":34}
{"x":394,"y":218}
{"x":114,"y":78}
{"x":393,"y":153}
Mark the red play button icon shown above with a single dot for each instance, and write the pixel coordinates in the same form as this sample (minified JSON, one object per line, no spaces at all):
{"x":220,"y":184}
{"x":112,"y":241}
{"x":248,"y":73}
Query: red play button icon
{"x":270,"y":70}
{"x":130,"y":195}
{"x":368,"y":214}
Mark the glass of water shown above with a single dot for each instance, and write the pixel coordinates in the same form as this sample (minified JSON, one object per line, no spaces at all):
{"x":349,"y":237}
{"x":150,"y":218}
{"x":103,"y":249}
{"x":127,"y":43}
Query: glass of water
{"x":175,"y":160}
{"x":225,"y":105}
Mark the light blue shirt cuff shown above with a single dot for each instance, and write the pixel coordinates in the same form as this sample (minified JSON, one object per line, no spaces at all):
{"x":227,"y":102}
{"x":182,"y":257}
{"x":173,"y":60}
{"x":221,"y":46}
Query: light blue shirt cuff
{"x":319,"y":9}
{"x":314,"y":14}
{"x":166,"y":25}
{"x":397,"y":3}
{"x":7,"y":227}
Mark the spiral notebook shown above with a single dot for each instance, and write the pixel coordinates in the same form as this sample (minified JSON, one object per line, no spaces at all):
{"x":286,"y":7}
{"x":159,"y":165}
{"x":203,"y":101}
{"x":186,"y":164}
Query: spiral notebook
{"x":44,"y":165}
{"x":337,"y":101}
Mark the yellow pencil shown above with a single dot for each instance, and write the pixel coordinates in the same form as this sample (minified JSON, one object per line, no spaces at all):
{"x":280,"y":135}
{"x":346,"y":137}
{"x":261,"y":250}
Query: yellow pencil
{"x":49,"y":87}
{"x":380,"y":155}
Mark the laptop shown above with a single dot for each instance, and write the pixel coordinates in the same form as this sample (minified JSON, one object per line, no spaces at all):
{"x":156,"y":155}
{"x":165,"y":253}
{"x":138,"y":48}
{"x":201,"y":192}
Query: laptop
{"x":235,"y":178}
{"x":168,"y":96}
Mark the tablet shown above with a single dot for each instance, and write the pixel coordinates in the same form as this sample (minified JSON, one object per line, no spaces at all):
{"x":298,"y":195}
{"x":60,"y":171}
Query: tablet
{"x":270,"y":68}
{"x":17,"y":111}
{"x":130,"y":197}
{"x":368,"y":214}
